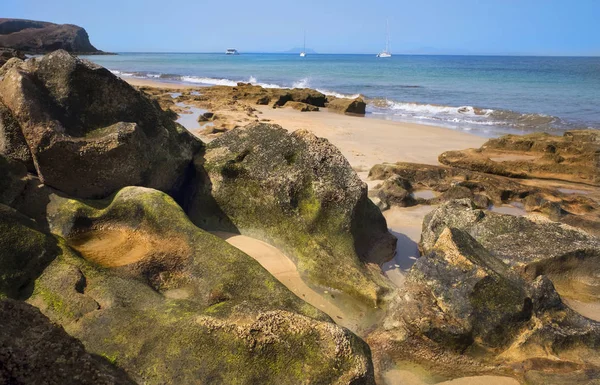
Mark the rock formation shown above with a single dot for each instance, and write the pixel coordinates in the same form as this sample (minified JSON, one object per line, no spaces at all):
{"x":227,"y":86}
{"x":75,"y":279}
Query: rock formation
{"x":533,"y":247}
{"x":347,"y":106}
{"x":302,"y":107}
{"x":35,"y":351}
{"x":89,"y":132}
{"x":402,"y":181}
{"x":41,"y":37}
{"x":146,"y":291}
{"x":169,"y":303}
{"x":574,"y":157}
{"x":470,"y":307}
{"x":297,"y":192}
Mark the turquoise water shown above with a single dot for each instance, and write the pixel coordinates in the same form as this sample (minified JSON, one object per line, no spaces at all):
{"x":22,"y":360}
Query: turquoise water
{"x":487,"y":95}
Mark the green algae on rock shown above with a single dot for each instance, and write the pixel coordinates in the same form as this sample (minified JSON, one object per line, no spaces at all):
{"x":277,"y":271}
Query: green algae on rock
{"x":24,"y":252}
{"x":187,"y":309}
{"x":299,"y":193}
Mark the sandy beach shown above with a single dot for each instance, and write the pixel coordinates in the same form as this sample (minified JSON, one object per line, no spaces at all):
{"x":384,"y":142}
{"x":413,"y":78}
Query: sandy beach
{"x":363,"y":141}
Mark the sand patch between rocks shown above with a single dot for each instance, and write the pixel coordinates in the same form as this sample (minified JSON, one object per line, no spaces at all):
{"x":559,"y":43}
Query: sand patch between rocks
{"x":117,"y":247}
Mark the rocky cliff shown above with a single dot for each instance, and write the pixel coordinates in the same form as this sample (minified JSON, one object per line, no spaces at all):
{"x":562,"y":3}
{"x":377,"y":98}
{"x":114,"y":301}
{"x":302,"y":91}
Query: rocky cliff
{"x":40,"y":37}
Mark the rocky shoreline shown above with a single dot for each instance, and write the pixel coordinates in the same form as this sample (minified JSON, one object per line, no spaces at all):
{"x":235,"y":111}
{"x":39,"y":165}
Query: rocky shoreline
{"x":107,"y":207}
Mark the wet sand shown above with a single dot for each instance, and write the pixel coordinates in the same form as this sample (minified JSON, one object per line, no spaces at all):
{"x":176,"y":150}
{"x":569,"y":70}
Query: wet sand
{"x":405,"y":224}
{"x":342,"y":309}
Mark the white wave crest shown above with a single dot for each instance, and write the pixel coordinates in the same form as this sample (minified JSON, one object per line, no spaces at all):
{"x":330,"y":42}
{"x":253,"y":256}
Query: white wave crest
{"x":337,"y":94}
{"x":255,"y":82}
{"x":433,"y":109}
{"x":209,"y":81}
{"x":122,"y":74}
{"x":302,"y":83}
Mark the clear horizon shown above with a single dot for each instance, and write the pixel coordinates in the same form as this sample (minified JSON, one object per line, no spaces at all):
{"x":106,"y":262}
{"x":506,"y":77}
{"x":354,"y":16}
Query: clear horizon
{"x":464,"y":27}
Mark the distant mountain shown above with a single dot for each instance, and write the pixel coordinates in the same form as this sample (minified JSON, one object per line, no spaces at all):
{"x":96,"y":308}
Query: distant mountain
{"x":40,"y":37}
{"x":298,"y":50}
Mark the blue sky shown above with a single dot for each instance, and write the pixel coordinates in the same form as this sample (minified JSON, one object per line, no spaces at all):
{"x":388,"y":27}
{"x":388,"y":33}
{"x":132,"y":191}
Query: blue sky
{"x":536,"y":27}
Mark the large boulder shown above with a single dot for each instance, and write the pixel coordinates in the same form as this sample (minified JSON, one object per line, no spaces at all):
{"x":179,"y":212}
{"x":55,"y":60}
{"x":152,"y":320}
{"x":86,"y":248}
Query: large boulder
{"x":41,"y":37}
{"x":299,"y":193}
{"x":170,"y":303}
{"x":35,"y":351}
{"x":348,"y":106}
{"x":89,"y":132}
{"x":533,"y":246}
{"x":573,"y":157}
{"x":462,"y":311}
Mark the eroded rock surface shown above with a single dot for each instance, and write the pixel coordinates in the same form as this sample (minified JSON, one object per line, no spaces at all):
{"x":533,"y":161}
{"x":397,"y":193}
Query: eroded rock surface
{"x":402,"y":182}
{"x":89,"y":132}
{"x":169,"y":303}
{"x":464,"y":310}
{"x":299,"y":193}
{"x":347,"y":106}
{"x":574,"y":157}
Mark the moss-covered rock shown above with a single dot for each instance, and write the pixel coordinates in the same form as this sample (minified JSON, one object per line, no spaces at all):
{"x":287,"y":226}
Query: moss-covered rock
{"x":299,"y":193}
{"x":35,"y":351}
{"x":24,"y":252}
{"x":89,"y":132}
{"x":169,"y":303}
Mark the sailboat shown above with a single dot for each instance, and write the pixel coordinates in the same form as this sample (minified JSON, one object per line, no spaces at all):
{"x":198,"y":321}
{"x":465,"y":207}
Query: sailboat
{"x":303,"y":53}
{"x":386,"y":52}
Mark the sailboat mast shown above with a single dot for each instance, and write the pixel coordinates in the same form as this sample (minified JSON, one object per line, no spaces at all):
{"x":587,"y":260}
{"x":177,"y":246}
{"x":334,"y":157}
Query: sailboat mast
{"x":304,"y":47}
{"x":387,"y":35}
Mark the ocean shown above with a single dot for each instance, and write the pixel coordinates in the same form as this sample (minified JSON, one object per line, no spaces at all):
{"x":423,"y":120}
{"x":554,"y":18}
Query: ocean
{"x":486,"y":95}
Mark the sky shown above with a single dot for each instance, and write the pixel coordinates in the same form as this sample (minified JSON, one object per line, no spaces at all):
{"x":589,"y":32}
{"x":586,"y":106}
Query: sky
{"x":489,"y":27}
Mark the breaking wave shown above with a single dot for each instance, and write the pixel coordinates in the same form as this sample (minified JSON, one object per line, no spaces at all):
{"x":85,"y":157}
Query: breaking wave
{"x":463,"y":117}
{"x":337,"y":94}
